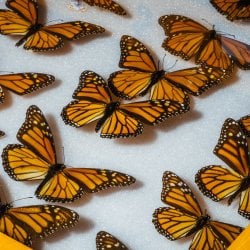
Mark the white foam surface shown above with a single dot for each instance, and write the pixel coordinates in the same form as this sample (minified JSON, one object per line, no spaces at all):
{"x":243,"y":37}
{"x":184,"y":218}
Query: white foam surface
{"x":182,"y":145}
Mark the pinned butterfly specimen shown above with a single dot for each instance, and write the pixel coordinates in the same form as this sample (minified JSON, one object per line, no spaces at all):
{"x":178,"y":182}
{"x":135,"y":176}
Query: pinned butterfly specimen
{"x":185,"y":218}
{"x":22,"y":19}
{"x":106,"y":241}
{"x":233,"y":9}
{"x":116,"y":119}
{"x":141,"y":76}
{"x":245,"y":124}
{"x":106,"y":4}
{"x":38,"y":221}
{"x":24,"y":83}
{"x":187,"y":39}
{"x":35,"y":159}
{"x":220,"y":183}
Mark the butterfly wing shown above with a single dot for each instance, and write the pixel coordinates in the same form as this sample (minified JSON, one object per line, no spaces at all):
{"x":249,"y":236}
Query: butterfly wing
{"x":197,"y":80}
{"x":35,"y":134}
{"x":245,"y":125}
{"x":25,"y":223}
{"x":51,"y":37}
{"x":106,"y":241}
{"x":232,"y":147}
{"x":71,"y":183}
{"x":21,"y":164}
{"x":238,"y":51}
{"x":185,"y":36}
{"x":217,"y":182}
{"x":22,"y":17}
{"x":107,"y":4}
{"x":134,"y":55}
{"x":233,"y":9}
{"x":24,"y":83}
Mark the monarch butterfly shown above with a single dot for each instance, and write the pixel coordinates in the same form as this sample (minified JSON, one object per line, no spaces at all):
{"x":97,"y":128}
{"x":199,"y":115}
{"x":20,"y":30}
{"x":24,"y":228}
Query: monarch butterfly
{"x":142,"y":75}
{"x":185,"y":218}
{"x":220,"y":183}
{"x":245,"y":125}
{"x":107,"y":4}
{"x":22,"y":19}
{"x":106,"y":241}
{"x":36,"y":160}
{"x":24,"y":83}
{"x":38,"y":221}
{"x":233,"y":9}
{"x":187,"y":38}
{"x":116,"y":119}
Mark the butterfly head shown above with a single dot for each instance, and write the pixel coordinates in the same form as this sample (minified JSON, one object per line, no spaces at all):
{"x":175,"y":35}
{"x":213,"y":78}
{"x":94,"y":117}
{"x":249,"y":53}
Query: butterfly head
{"x":202,"y":221}
{"x":55,"y":169}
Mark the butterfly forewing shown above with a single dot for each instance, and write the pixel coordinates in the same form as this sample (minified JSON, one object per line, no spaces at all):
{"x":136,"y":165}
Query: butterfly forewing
{"x":106,"y":241}
{"x":35,"y":133}
{"x":27,"y":9}
{"x":176,"y":192}
{"x":134,"y":55}
{"x":107,"y":4}
{"x":25,"y":223}
{"x":92,"y":87}
{"x":24,"y":83}
{"x":232,"y":147}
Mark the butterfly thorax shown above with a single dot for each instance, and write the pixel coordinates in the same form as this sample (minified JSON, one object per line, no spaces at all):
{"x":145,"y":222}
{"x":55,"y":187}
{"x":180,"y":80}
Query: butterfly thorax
{"x":200,"y":223}
{"x":54,"y":169}
{"x":3,"y":209}
{"x":33,"y":29}
{"x":243,"y":3}
{"x":245,"y":184}
{"x":155,"y":77}
{"x":109,"y":110}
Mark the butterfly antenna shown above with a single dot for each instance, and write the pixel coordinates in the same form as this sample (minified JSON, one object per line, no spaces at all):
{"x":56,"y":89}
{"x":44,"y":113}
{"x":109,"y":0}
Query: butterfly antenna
{"x":63,"y":155}
{"x":206,"y":21}
{"x":30,"y":197}
{"x":8,"y":72}
{"x":56,"y":20}
{"x":173,"y":65}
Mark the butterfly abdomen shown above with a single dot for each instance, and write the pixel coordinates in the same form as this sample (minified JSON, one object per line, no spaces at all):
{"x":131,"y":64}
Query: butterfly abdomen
{"x":156,"y":76}
{"x":110,"y":108}
{"x":33,"y":29}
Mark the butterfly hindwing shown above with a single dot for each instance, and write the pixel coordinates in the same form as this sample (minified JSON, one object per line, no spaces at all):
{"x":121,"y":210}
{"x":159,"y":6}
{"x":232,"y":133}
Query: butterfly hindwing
{"x":106,"y":241}
{"x":37,"y":221}
{"x":233,"y":9}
